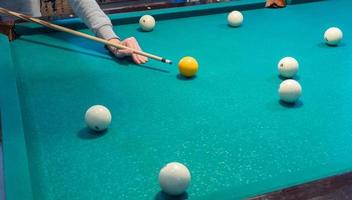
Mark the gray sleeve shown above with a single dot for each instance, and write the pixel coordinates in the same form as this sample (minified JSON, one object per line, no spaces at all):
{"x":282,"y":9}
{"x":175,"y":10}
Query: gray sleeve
{"x":91,"y":14}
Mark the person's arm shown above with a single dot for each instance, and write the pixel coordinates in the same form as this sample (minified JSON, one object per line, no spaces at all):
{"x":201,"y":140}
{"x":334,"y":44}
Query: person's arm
{"x":91,"y":14}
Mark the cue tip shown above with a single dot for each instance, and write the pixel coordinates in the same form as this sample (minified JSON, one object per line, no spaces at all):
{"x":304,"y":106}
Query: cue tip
{"x":167,"y":61}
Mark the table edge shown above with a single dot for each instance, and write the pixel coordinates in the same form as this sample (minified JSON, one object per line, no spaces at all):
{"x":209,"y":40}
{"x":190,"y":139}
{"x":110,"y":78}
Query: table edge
{"x":15,"y":160}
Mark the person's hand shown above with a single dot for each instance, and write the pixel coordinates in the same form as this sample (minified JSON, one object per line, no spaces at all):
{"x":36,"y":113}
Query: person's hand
{"x":275,"y":3}
{"x":131,"y":43}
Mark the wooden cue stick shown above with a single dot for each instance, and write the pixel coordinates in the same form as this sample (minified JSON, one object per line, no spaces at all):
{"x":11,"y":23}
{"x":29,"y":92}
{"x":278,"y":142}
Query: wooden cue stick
{"x":80,"y":34}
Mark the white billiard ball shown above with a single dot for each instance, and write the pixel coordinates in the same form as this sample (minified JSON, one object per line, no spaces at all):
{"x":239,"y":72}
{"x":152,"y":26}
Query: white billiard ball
{"x":290,"y":91}
{"x":98,"y":118}
{"x":174,"y":178}
{"x":235,"y":18}
{"x":333,"y":36}
{"x":288,"y":67}
{"x":147,"y":23}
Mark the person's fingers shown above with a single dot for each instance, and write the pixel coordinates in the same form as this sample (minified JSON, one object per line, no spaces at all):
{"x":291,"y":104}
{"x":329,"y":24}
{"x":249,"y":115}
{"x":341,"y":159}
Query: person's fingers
{"x":135,"y":45}
{"x":131,"y":39}
{"x":112,"y":49}
{"x":135,"y":57}
{"x":281,"y":3}
{"x":126,"y":52}
{"x":138,"y":58}
{"x":144,"y":59}
{"x":141,"y":58}
{"x":131,"y":43}
{"x":268,"y":3}
{"x":116,"y":51}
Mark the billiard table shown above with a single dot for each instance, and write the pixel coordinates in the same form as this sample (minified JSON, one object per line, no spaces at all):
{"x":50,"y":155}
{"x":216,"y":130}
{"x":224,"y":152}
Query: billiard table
{"x":226,"y":125}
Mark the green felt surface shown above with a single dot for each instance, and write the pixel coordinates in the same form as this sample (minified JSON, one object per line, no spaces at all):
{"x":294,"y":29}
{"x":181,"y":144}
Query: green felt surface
{"x":226,"y":124}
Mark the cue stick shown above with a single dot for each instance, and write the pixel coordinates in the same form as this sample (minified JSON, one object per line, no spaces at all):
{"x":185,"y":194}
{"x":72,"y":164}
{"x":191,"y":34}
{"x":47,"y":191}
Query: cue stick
{"x":80,"y":34}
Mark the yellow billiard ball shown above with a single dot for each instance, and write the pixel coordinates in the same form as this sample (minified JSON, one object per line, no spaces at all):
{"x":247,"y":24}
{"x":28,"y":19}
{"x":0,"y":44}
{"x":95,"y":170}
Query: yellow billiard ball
{"x":188,"y":66}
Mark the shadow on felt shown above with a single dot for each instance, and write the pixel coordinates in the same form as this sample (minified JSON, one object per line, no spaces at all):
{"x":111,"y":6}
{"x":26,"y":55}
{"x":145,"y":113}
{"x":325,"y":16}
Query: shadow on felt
{"x":87,"y":134}
{"x":183,"y":78}
{"x":296,"y":77}
{"x":122,"y":61}
{"x":163,"y":196}
{"x":65,"y":48}
{"x":325,"y":45}
{"x":297,"y":104}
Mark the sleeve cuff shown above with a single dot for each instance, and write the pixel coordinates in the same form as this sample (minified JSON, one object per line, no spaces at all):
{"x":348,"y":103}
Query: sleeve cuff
{"x":106,"y":32}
